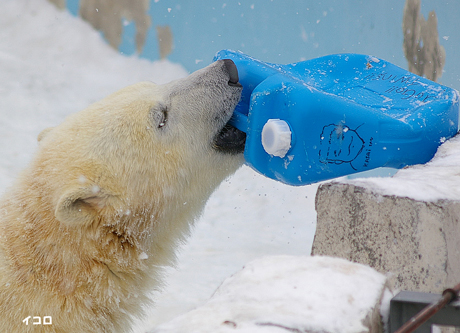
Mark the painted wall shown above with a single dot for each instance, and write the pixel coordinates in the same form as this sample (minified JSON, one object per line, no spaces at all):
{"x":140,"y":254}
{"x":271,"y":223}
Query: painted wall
{"x":282,"y":31}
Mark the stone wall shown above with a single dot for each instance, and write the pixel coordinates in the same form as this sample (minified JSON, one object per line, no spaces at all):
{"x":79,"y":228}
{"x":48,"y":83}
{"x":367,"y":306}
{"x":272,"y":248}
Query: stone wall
{"x":406,"y":226}
{"x":415,"y":241}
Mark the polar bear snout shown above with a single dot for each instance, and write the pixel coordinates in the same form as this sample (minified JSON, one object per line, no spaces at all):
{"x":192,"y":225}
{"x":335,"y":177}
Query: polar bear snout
{"x":207,"y":100}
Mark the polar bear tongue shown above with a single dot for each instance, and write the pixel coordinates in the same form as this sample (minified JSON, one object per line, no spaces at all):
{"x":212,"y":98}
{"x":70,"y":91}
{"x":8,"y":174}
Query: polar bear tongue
{"x":230,"y":140}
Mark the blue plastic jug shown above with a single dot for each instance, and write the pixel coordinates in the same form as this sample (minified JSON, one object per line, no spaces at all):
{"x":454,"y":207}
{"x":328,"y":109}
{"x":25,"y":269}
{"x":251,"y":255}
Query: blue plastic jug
{"x":336,"y":115}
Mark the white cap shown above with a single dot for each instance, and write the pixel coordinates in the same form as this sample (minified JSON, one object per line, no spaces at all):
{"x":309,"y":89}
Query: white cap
{"x":276,"y":137}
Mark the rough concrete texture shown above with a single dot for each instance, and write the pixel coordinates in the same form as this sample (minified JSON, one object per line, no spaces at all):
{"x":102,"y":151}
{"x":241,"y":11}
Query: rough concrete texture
{"x":407,"y":225}
{"x":417,"y":242}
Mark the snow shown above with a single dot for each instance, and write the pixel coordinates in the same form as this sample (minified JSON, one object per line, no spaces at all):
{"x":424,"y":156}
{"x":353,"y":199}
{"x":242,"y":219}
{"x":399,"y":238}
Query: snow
{"x":436,"y":180}
{"x":248,"y":217}
{"x":53,"y":64}
{"x":297,"y":293}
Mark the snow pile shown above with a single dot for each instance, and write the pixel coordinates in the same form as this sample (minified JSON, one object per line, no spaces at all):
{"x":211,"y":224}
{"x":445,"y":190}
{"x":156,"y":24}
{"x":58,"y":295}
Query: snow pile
{"x":296,"y":293}
{"x":53,"y":64}
{"x":439,"y":179}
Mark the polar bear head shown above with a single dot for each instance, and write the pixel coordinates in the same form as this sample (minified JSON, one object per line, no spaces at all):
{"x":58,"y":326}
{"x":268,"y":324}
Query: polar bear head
{"x":109,"y":194}
{"x":145,"y":157}
{"x":146,"y":141}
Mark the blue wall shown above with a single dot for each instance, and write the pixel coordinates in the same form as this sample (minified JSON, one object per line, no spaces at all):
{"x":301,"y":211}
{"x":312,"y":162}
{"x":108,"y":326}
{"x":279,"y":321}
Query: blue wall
{"x":288,"y":31}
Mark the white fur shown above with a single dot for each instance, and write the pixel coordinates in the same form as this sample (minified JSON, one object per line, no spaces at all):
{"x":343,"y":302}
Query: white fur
{"x":110,"y":193}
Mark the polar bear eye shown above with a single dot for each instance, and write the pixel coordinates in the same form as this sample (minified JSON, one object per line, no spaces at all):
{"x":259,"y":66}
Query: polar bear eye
{"x":164,"y":117}
{"x":160,"y":116}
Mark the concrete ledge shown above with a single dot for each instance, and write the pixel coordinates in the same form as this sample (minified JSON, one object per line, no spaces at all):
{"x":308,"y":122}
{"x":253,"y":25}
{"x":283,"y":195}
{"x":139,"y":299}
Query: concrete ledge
{"x":407,"y":225}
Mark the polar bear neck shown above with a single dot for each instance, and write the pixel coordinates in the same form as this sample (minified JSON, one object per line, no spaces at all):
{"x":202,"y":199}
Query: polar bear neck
{"x":117,"y":257}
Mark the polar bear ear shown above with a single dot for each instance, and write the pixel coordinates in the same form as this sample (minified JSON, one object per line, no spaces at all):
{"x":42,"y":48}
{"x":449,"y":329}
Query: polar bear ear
{"x":80,"y":206}
{"x":43,"y":133}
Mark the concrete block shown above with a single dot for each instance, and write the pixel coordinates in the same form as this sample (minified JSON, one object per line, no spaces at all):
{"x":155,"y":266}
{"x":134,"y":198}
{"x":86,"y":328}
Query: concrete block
{"x":407,"y":225}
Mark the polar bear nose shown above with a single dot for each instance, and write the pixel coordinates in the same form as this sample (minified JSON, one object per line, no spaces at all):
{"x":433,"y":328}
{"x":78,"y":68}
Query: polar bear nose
{"x":232,"y":72}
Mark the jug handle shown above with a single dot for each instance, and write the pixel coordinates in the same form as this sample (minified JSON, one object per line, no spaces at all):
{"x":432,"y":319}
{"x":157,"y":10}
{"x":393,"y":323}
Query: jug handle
{"x":240,"y":121}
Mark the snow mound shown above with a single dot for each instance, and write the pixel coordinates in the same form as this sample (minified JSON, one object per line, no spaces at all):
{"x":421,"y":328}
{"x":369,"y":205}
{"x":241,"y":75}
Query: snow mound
{"x":297,"y":293}
{"x":436,"y":180}
{"x":53,"y":64}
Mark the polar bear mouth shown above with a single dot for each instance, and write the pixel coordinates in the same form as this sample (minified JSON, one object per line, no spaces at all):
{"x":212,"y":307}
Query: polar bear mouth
{"x":230,"y":140}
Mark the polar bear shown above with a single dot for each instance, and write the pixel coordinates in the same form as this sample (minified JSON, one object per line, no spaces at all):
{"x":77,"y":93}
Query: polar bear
{"x":112,"y":190}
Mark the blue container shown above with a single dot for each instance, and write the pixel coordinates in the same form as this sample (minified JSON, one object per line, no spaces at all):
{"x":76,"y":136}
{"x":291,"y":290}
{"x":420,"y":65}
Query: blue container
{"x":338,"y":115}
